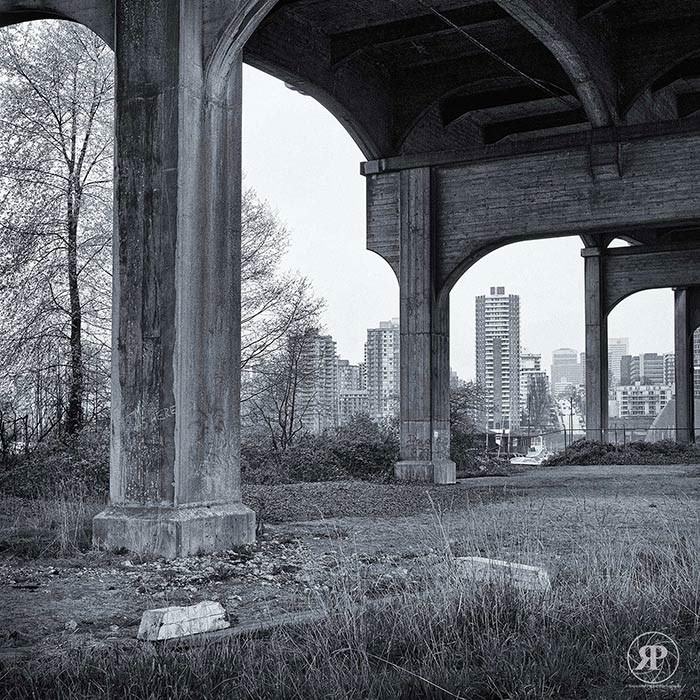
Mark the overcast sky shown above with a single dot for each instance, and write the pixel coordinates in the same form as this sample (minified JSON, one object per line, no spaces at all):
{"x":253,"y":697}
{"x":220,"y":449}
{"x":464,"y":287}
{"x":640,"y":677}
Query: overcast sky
{"x":300,"y":159}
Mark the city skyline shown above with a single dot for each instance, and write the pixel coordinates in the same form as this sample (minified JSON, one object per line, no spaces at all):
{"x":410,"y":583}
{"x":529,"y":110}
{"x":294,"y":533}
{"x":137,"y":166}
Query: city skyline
{"x":287,"y":139}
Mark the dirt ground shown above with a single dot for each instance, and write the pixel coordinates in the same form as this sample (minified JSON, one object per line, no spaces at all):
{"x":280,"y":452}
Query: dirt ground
{"x":50,"y":605}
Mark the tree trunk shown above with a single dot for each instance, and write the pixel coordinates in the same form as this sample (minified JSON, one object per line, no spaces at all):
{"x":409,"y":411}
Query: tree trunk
{"x":74,"y":415}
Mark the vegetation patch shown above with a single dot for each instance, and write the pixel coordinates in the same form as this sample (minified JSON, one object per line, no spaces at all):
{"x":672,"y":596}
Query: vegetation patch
{"x":588,"y":452}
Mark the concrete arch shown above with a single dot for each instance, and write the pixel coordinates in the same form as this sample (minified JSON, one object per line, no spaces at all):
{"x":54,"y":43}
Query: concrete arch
{"x":581,"y":55}
{"x":635,"y":269}
{"x":228,"y":47}
{"x":480,"y":252}
{"x":228,"y":50}
{"x":98,"y":17}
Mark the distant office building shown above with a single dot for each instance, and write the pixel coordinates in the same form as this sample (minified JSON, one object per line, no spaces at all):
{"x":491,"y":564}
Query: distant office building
{"x":642,"y":400}
{"x":352,"y":395}
{"x":349,"y":376}
{"x":317,"y":395}
{"x":455,"y":380}
{"x":530,"y":372}
{"x":647,"y":368}
{"x":669,"y":369}
{"x":351,"y":403}
{"x":617,"y":348}
{"x":498,"y":357}
{"x":382,"y":370}
{"x":567,"y":371}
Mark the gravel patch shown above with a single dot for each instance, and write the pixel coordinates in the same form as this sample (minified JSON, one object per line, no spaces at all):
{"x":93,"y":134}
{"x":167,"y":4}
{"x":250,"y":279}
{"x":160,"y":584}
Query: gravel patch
{"x":337,"y":499}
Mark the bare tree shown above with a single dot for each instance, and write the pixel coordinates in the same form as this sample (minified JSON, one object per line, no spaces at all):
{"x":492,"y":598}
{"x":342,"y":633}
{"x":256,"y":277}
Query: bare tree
{"x":56,"y":118}
{"x":538,"y":404}
{"x":279,"y":404}
{"x":274,"y":303}
{"x":55,"y":194}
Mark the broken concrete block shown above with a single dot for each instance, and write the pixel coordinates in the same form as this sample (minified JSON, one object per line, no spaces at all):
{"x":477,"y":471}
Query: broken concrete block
{"x":523,"y":576}
{"x":169,"y":623}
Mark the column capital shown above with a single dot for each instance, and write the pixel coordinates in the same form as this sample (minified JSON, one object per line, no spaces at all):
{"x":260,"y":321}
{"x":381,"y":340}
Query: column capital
{"x":592,"y":252}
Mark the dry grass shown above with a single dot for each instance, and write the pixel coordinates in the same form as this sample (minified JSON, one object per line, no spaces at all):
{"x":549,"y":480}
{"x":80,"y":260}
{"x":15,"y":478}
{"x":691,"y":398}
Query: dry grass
{"x":620,"y":567}
{"x":35,"y":528}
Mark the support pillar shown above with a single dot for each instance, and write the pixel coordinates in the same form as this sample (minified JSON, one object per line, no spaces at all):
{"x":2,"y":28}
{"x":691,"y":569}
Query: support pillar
{"x":686,"y":313}
{"x":425,"y":342}
{"x":175,"y":467}
{"x":596,"y":345}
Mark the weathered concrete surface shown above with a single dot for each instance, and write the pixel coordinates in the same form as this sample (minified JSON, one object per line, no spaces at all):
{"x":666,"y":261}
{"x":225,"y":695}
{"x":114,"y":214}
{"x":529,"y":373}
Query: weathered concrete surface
{"x":686,"y":312}
{"x":637,"y":268}
{"x":182,"y":621}
{"x":176,"y":377}
{"x":425,"y":343}
{"x":596,"y":344}
{"x":489,"y":197}
{"x":97,"y":15}
{"x":173,"y":532}
{"x":522,"y":576}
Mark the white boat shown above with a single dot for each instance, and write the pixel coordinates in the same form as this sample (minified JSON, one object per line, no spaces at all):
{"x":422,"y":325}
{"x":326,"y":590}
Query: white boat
{"x":534,"y":457}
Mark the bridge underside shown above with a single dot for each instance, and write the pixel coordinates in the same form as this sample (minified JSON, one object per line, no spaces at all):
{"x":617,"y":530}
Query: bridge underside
{"x":483,"y":123}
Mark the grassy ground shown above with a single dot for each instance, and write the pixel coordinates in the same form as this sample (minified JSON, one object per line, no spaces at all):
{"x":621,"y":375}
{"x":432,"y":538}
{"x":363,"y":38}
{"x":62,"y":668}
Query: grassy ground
{"x":620,"y":545}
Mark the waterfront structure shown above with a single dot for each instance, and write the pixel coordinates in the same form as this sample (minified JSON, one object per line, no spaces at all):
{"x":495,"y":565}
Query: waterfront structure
{"x":498,"y":357}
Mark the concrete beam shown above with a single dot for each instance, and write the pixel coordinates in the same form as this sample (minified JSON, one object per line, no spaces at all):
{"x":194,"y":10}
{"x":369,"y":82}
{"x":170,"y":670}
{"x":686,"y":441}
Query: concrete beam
{"x":504,"y":195}
{"x":290,"y":49}
{"x":583,"y":56}
{"x":647,"y":55}
{"x":345,"y":45}
{"x":425,"y":342}
{"x":637,"y":268}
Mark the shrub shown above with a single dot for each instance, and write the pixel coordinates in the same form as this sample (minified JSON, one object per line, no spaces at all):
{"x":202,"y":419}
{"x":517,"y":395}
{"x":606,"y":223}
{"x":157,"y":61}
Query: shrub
{"x":366,"y":449}
{"x":589,"y":452}
{"x":362,"y":449}
{"x":79,"y":465}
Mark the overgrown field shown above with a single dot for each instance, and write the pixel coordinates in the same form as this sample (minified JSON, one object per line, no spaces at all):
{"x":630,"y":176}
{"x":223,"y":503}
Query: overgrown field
{"x":622,"y":554}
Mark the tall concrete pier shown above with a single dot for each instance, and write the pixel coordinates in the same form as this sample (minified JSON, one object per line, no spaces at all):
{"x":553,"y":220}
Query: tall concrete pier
{"x":482,"y":123}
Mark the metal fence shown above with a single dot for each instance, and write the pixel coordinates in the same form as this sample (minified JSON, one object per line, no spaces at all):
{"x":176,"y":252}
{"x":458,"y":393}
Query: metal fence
{"x":557,"y":440}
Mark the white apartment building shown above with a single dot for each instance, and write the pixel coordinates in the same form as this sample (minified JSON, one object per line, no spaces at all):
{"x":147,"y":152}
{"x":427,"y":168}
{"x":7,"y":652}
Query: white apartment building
{"x":498,"y":357}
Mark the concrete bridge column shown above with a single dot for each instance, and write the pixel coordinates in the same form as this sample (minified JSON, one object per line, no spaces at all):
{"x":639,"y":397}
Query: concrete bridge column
{"x":687,"y":318}
{"x":596,"y":345}
{"x":425,"y":341}
{"x":175,"y":471}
